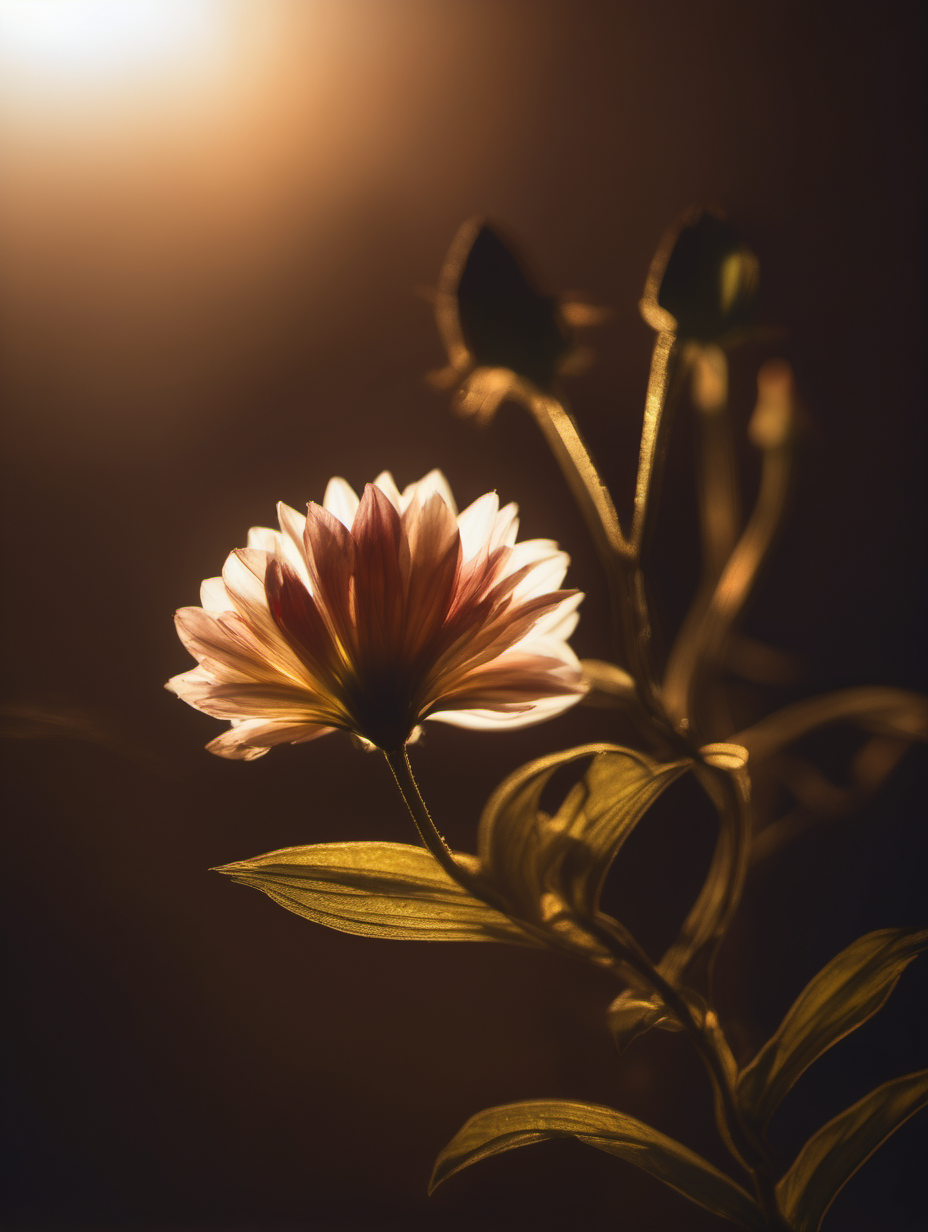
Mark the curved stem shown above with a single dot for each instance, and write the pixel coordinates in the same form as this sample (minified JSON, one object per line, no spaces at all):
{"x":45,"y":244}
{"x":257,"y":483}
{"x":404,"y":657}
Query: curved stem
{"x":627,"y":955}
{"x":737,"y":1134}
{"x":652,"y":433}
{"x":398,"y":761}
{"x":586,"y":485}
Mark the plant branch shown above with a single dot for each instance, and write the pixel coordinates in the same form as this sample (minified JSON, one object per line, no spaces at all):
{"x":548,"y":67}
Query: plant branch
{"x":652,"y":433}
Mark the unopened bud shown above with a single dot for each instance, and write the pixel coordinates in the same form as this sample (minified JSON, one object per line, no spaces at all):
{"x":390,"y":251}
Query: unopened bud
{"x":493,"y":316}
{"x":703,"y":281}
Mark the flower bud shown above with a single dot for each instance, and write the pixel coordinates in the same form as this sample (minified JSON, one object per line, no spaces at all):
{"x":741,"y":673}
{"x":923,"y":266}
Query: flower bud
{"x":506,"y":322}
{"x":702,"y":283}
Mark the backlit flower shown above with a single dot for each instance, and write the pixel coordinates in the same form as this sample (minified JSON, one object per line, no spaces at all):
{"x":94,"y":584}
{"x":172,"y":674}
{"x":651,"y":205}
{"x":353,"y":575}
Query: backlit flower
{"x":369,"y":616}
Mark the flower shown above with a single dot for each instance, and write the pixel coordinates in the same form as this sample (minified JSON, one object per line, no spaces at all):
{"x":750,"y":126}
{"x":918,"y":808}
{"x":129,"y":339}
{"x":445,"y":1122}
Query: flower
{"x":702,"y":283}
{"x":504,"y":337}
{"x":369,"y":616}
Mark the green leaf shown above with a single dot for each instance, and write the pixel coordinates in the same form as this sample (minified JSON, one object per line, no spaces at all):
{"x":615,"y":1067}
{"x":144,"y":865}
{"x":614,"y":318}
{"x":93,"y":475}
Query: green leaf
{"x":616,"y":791}
{"x":718,"y":899}
{"x":844,"y":994}
{"x":511,"y":829}
{"x":376,"y":890}
{"x":529,"y":855}
{"x":501,"y":1129}
{"x":631,"y":1014}
{"x":831,"y":1157}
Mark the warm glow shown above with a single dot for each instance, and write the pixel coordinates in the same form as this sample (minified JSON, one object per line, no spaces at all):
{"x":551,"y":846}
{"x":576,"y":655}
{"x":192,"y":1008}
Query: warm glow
{"x":111,"y":38}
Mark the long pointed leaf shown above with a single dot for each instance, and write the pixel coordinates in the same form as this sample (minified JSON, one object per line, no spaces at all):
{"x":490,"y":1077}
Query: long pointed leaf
{"x":376,"y":890}
{"x":844,"y":994}
{"x":510,"y":1125}
{"x":831,"y":1157}
{"x":721,"y":891}
{"x":619,"y":787}
{"x":509,"y":834}
{"x":528,"y":854}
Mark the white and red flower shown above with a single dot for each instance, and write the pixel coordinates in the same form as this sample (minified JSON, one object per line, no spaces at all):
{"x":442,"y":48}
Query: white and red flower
{"x":369,"y":616}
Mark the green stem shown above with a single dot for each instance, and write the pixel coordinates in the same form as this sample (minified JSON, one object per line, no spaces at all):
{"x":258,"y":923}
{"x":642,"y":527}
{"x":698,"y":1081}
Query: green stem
{"x":398,"y":761}
{"x":628,"y":601}
{"x":738,"y":1136}
{"x":652,"y":433}
{"x":582,"y":476}
{"x":465,"y":876}
{"x":697,"y":658}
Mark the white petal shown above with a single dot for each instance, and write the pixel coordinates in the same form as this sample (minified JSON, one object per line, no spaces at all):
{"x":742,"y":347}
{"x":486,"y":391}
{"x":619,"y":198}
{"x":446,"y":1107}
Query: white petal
{"x":387,"y":485}
{"x":560,"y":623}
{"x":264,"y":538}
{"x":434,"y":481}
{"x":187,"y":681}
{"x":550,"y":648}
{"x":341,"y":500}
{"x":243,"y":577}
{"x":494,"y":720}
{"x":477,"y":524}
{"x":550,"y":566}
{"x":214,"y":597}
{"x":292,"y":524}
{"x":252,"y":738}
{"x":507,"y":526}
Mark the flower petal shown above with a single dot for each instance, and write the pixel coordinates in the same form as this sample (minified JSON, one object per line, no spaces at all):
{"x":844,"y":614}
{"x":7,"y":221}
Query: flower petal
{"x":254,"y":737}
{"x":341,"y":500}
{"x":494,"y":720}
{"x":264,"y":539}
{"x":371,"y":615}
{"x":292,"y":525}
{"x":477,"y":524}
{"x":387,"y":485}
{"x":214,"y":597}
{"x":434,"y":481}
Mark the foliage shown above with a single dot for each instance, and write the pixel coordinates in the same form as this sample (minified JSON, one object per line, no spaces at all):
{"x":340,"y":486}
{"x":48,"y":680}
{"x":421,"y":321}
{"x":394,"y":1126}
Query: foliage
{"x":537,"y":876}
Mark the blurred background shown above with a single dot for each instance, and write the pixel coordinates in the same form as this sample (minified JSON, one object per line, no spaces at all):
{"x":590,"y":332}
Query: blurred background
{"x":218,"y":224}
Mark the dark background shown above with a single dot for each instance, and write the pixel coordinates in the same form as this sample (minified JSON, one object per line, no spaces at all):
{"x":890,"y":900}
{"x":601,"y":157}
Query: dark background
{"x":210,"y":307}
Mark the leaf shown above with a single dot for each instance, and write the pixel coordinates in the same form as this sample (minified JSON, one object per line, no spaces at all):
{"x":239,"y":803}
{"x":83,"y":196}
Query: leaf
{"x":893,"y":712}
{"x":721,"y":891}
{"x":608,"y":686}
{"x":616,"y":791}
{"x":831,"y":1157}
{"x":844,"y":994}
{"x":509,"y":834}
{"x":510,"y":1125}
{"x":376,"y":890}
{"x":632,"y":1014}
{"x":529,"y":855}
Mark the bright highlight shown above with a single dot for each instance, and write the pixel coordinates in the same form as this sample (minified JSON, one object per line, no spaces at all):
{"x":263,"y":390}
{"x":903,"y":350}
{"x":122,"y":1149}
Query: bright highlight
{"x":88,"y":38}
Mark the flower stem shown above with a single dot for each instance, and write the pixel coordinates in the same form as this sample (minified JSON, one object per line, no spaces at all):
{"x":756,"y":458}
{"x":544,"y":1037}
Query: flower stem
{"x":398,"y":761}
{"x":583,"y":478}
{"x":738,"y":1136}
{"x":652,"y":433}
{"x":630,"y":615}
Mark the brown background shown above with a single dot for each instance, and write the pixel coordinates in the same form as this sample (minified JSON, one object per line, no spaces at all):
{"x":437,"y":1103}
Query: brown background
{"x":208,"y":311}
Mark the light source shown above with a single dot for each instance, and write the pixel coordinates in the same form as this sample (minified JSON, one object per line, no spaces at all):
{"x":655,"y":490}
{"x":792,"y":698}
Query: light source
{"x":94,"y":39}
